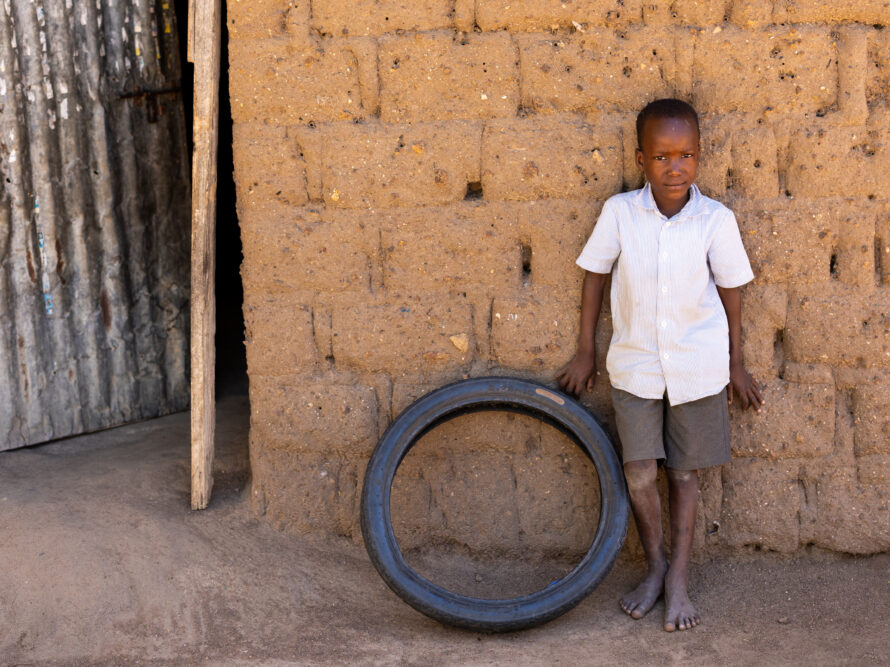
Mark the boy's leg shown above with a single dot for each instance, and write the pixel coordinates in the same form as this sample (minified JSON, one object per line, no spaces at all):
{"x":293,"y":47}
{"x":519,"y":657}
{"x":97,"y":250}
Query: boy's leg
{"x":697,"y":436}
{"x":646,"y":506}
{"x":679,"y":613}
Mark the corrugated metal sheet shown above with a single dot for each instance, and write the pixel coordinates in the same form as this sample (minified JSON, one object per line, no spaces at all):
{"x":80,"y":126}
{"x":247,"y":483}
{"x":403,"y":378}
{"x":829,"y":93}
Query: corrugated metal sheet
{"x":94,"y":217}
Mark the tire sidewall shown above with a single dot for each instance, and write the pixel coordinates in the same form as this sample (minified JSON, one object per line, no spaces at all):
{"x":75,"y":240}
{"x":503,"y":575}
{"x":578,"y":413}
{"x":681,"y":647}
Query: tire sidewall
{"x":476,"y":613}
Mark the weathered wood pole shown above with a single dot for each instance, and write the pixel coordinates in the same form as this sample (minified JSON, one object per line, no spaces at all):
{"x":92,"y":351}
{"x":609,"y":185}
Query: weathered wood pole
{"x":203,"y":52}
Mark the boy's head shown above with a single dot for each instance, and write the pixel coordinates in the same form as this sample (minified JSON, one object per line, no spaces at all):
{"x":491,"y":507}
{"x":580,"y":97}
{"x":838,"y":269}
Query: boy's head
{"x":666,"y":108}
{"x":668,"y":152}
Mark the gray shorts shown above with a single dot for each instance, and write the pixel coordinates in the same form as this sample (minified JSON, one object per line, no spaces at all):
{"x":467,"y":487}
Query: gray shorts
{"x":688,"y":436}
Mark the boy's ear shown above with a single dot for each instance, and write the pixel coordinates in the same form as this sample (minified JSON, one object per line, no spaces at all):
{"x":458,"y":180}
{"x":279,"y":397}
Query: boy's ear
{"x":639,"y":156}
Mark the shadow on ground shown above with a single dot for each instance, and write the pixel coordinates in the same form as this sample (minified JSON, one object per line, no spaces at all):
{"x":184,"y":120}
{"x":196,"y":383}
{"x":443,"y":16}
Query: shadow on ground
{"x":103,"y":562}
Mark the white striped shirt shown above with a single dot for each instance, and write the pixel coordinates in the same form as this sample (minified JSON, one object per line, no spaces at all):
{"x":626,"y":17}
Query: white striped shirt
{"x":669,"y":327}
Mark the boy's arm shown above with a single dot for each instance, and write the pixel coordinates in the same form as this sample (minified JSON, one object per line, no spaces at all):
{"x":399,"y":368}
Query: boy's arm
{"x":580,"y":372}
{"x":739,"y":378}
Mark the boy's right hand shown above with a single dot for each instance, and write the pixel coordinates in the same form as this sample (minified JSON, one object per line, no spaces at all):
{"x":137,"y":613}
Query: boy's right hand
{"x":579,"y":373}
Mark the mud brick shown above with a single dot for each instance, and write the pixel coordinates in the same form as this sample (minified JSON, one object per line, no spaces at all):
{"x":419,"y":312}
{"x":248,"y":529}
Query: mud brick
{"x":761,"y":500}
{"x":882,"y":246}
{"x":755,"y":172}
{"x":309,"y":140}
{"x":295,"y":414}
{"x":321,"y":326}
{"x":874,"y":470}
{"x":556,"y":231}
{"x":710,"y":502}
{"x":405,"y":393}
{"x":299,"y":249}
{"x":855,"y":248}
{"x":268,"y":165}
{"x":763,"y":319}
{"x":791,"y":244}
{"x":410,"y":502}
{"x":376,"y":17}
{"x":848,"y":378}
{"x":594,"y":69}
{"x":877,"y":84}
{"x":558,"y":496}
{"x":364,"y":49}
{"x":796,"y":421}
{"x":551,"y":157}
{"x":840,"y":162}
{"x":414,"y":332}
{"x":837,"y":11}
{"x":540,"y":15}
{"x":443,"y":75}
{"x":451,"y":249}
{"x":375,"y":166}
{"x":776,"y":69}
{"x":715,"y":160}
{"x":535,"y":332}
{"x":475,"y":499}
{"x":309,"y":493}
{"x":633,"y":177}
{"x":859,"y":326}
{"x":683,"y":12}
{"x":871,"y":413}
{"x":853,"y":516}
{"x":265,"y":317}
{"x":852,"y":72}
{"x":272,"y":79}
{"x":751,"y":13}
{"x":491,"y":431}
{"x":807,"y":373}
{"x":464,"y":15}
{"x":258,"y":19}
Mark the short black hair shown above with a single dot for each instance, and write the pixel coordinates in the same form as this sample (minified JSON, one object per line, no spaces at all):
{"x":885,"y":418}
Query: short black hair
{"x":666,"y":108}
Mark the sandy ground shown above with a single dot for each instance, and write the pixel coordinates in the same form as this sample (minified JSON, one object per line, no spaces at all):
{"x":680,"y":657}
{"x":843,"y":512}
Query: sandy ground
{"x":103,"y":563}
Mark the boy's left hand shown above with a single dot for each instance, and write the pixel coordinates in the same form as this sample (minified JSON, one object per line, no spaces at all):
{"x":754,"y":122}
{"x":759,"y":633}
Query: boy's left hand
{"x":746,"y":386}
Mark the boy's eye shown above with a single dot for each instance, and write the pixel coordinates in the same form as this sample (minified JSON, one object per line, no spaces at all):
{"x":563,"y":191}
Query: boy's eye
{"x":688,"y":155}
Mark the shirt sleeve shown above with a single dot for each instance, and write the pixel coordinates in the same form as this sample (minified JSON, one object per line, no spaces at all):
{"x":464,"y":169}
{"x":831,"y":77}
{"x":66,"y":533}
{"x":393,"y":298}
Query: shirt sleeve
{"x":604,"y":244}
{"x":726,"y":254}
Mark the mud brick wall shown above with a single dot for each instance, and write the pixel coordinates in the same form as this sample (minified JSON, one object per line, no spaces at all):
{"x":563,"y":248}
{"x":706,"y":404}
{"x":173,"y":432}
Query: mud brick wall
{"x":415,"y":179}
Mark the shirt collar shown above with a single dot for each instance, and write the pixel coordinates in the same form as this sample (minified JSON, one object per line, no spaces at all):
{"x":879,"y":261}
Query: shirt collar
{"x":647,"y":201}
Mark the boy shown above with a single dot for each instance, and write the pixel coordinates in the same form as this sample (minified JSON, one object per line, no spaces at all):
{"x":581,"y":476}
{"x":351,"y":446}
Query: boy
{"x":676,"y":343}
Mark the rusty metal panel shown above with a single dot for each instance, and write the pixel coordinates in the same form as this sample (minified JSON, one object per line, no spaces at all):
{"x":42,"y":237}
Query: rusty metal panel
{"x":94,"y":217}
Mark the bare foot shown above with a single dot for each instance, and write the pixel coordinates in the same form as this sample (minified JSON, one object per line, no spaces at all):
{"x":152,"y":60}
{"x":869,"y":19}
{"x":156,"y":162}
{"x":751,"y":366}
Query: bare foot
{"x":640,"y":600}
{"x":679,"y":614}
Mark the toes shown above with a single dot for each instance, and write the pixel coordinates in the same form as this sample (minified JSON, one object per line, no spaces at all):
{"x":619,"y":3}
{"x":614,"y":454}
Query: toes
{"x":681,"y":623}
{"x":687,"y":623}
{"x":637,"y":613}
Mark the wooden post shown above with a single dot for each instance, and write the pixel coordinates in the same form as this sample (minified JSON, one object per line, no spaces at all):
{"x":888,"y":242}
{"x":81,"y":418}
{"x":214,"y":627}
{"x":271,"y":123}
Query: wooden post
{"x":203,"y":50}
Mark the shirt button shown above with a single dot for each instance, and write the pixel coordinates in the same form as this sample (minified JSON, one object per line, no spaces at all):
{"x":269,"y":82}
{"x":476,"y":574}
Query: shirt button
{"x":664,"y":289}
{"x":667,"y":224}
{"x":664,"y":255}
{"x":663,"y":325}
{"x":666,"y":355}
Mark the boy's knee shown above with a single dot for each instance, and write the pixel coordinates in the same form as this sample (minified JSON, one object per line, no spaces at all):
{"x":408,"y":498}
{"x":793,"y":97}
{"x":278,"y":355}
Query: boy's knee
{"x":640,"y":474}
{"x":681,"y":476}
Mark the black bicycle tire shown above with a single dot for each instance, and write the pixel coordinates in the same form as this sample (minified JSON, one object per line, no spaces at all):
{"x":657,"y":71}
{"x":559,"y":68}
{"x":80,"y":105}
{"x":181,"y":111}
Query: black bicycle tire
{"x":476,"y":613}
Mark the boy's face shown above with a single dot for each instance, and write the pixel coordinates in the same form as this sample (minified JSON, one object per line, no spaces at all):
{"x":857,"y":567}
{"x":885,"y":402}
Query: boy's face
{"x":669,"y":159}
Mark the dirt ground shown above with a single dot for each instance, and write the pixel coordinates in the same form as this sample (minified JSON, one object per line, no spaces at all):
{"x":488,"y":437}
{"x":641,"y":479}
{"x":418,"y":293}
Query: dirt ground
{"x":103,"y":563}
